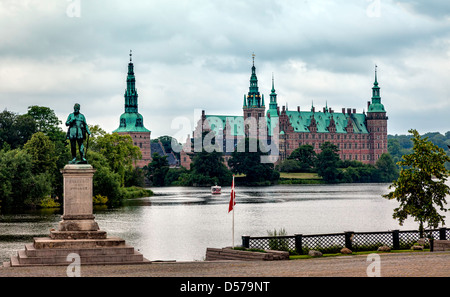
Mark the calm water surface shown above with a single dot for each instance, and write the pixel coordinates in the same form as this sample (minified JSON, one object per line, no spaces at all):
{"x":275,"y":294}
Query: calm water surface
{"x":180,"y":223}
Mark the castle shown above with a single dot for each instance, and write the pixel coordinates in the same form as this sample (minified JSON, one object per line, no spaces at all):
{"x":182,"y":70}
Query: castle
{"x":358,"y":136}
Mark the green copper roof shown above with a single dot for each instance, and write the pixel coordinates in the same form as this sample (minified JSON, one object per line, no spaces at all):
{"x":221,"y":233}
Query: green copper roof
{"x":377,"y":107}
{"x":300,"y":121}
{"x":131,"y":122}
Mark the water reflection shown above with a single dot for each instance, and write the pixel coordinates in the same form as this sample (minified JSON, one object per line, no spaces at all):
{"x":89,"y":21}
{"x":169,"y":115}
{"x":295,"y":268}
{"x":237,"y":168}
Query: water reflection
{"x":180,"y":223}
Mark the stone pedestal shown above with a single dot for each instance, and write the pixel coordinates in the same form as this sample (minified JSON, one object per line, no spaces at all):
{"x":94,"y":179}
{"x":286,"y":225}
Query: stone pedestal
{"x":78,"y":193}
{"x":77,"y":232}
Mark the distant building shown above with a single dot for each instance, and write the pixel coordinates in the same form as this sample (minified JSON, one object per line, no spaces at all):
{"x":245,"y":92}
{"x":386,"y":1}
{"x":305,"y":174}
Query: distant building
{"x":132,"y":123}
{"x":359,"y":136}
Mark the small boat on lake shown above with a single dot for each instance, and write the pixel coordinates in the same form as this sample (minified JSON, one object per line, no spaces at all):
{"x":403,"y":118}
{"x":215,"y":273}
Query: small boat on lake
{"x":216,"y":190}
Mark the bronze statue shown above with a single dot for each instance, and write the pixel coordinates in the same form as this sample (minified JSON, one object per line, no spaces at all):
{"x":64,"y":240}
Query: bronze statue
{"x":76,"y":133}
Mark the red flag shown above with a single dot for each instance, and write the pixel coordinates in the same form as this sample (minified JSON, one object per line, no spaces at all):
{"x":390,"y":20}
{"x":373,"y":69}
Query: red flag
{"x":233,"y":197}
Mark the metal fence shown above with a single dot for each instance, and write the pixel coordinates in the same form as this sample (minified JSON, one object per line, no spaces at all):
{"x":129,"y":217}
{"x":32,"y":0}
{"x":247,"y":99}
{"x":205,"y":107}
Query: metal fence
{"x":334,"y":242}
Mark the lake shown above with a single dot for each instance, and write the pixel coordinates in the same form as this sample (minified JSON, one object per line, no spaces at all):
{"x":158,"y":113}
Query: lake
{"x":179,"y":223}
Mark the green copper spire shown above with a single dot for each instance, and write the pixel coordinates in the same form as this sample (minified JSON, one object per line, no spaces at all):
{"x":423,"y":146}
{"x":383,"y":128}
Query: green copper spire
{"x":376,"y":89}
{"x":253,"y":97}
{"x":131,"y":120}
{"x":376,"y":105}
{"x":131,"y":95}
{"x":273,"y":96}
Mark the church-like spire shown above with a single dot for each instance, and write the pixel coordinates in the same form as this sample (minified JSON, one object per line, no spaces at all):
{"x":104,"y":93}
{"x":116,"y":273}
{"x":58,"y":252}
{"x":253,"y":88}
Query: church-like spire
{"x":273,"y":96}
{"x":376,"y":89}
{"x":131,"y":95}
{"x":375,"y":105}
{"x":253,"y":97}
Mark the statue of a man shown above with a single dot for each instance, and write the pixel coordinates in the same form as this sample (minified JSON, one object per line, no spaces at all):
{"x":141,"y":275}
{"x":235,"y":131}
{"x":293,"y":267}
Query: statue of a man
{"x":76,"y":133}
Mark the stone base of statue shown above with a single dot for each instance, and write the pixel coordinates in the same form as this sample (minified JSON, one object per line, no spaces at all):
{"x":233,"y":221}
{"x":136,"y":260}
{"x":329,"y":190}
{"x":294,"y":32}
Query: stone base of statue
{"x":78,"y":232}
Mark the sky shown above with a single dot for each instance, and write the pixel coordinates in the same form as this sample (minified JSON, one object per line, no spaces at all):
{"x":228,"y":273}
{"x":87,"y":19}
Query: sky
{"x":192,"y":55}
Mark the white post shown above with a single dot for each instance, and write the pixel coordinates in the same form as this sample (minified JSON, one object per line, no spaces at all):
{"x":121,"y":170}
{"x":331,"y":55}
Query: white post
{"x":233,"y":197}
{"x":232,"y":231}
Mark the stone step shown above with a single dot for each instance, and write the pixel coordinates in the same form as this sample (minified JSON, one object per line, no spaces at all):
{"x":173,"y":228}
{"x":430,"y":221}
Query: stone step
{"x":31,"y":251}
{"x":78,"y":234}
{"x":49,"y":243}
{"x":23,"y":260}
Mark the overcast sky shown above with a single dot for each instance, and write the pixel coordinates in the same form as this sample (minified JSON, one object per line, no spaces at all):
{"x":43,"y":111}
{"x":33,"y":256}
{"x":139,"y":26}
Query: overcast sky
{"x":197,"y":54}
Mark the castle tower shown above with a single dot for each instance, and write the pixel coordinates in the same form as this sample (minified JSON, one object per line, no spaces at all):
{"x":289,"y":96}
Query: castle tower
{"x":376,"y":124}
{"x":254,"y":107}
{"x":132,"y":122}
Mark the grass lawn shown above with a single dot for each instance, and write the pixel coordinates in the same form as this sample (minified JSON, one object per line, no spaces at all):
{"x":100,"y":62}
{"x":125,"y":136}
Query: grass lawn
{"x":299,"y":175}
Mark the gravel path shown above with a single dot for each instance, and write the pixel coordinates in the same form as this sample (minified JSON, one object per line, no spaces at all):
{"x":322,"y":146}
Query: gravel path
{"x":423,"y":264}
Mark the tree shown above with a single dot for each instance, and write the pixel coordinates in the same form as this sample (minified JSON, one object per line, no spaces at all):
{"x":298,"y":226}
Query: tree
{"x":327,"y":162}
{"x":19,"y":187}
{"x":15,"y":130}
{"x":42,"y":152}
{"x":208,"y":168}
{"x":46,"y":122}
{"x":306,"y":155}
{"x":119,"y":151}
{"x":249,"y":163}
{"x":420,"y":187}
{"x":387,"y":169}
{"x":291,"y":165}
{"x":157,"y":169}
{"x":105,"y":181}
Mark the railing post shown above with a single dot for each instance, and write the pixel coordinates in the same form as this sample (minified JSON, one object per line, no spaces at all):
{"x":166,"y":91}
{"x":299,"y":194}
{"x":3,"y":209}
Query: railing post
{"x":395,"y":239}
{"x":246,"y":241}
{"x":442,"y":233}
{"x":298,"y":243}
{"x":348,"y":239}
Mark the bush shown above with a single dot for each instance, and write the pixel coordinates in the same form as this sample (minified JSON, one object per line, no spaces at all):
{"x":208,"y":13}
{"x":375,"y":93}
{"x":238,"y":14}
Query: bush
{"x":134,"y":192}
{"x":107,"y":183}
{"x":290,"y":165}
{"x":49,"y":202}
{"x":99,"y":199}
{"x":279,"y":244}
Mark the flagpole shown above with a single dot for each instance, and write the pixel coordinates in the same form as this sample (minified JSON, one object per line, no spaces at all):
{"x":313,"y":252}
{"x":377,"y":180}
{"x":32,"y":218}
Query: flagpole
{"x":234,"y":201}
